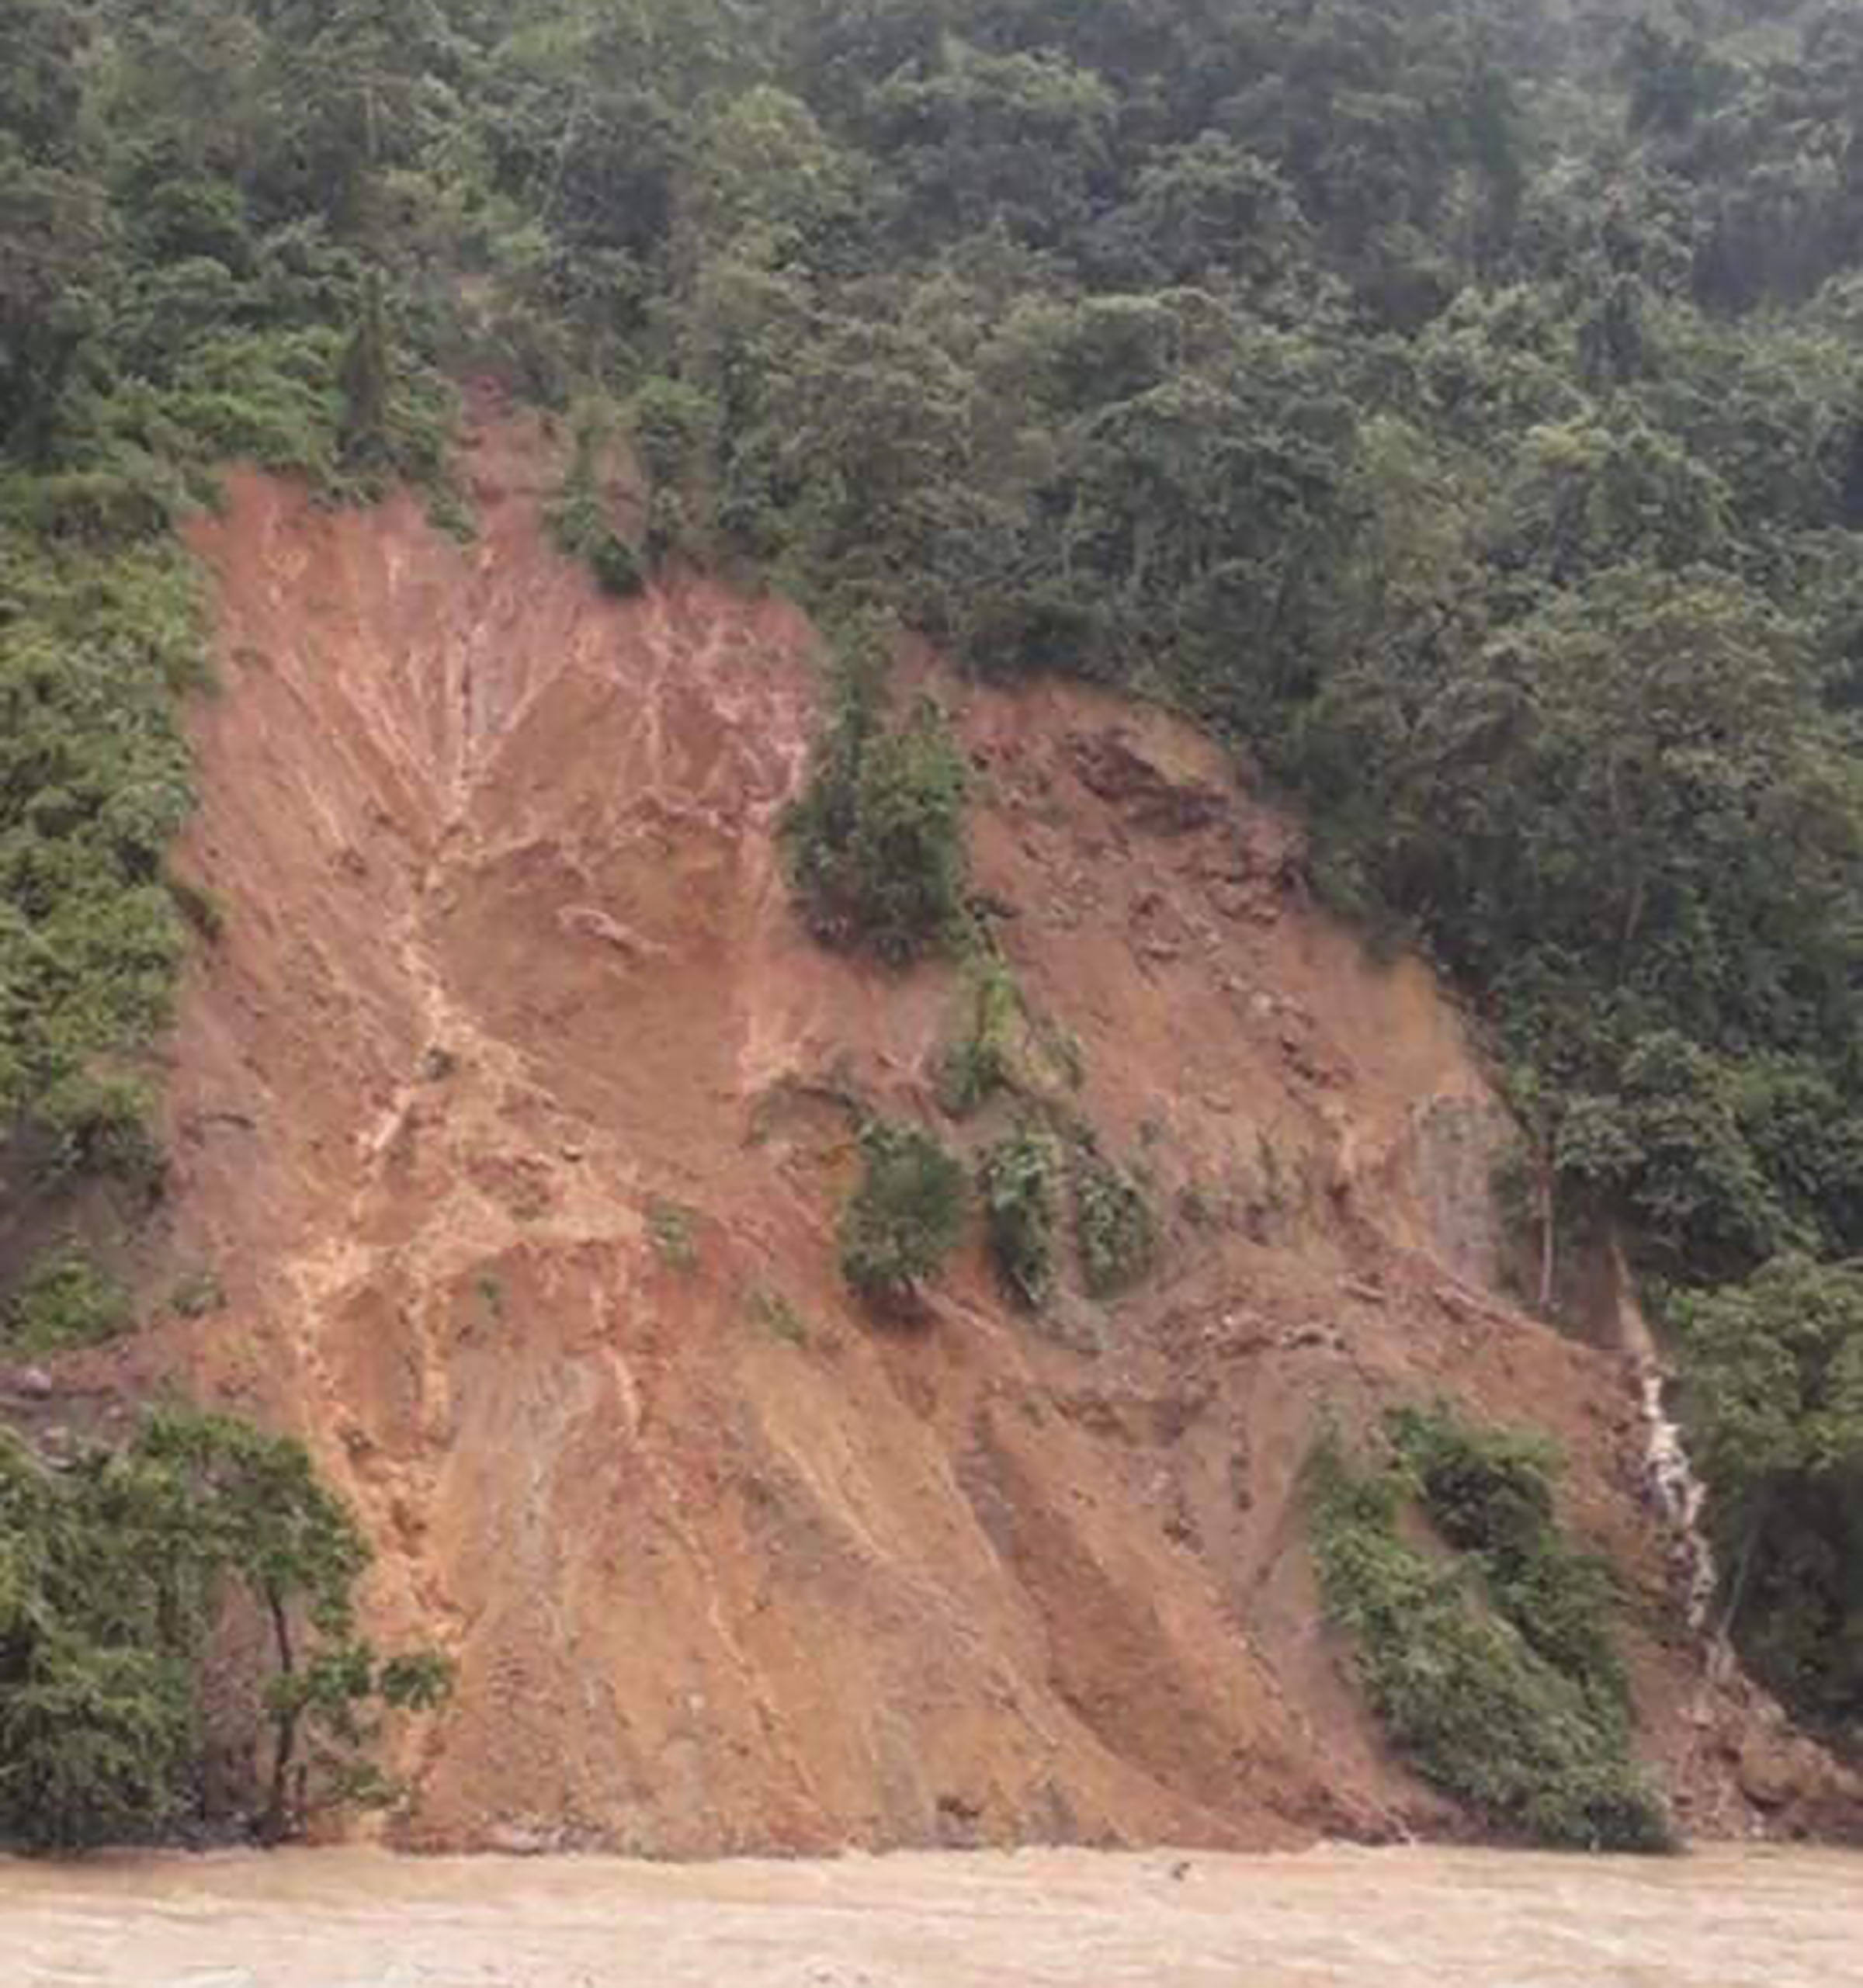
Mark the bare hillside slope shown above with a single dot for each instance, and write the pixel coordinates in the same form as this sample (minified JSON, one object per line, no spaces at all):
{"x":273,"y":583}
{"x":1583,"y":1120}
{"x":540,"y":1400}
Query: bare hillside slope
{"x":506,"y":1110}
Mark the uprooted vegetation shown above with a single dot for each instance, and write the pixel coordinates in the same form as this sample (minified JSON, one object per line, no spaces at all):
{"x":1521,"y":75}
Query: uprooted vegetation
{"x":1488,"y":1656}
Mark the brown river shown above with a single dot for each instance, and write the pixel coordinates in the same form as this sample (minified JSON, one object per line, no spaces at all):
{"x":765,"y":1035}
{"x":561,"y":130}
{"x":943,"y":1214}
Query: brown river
{"x":1385,"y":1919}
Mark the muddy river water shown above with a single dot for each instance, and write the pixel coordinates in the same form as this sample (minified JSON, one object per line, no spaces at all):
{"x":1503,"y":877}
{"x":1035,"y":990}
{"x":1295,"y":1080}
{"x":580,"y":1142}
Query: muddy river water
{"x":1385,"y":1919}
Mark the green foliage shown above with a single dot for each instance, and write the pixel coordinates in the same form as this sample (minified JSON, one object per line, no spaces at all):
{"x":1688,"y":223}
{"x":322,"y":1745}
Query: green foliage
{"x":113,"y":1573}
{"x":1115,"y":1232}
{"x":1488,"y":1492}
{"x":93,"y":646}
{"x":1019,"y":1177}
{"x":775,"y":1313}
{"x":1774,"y":1375}
{"x":363,"y":380}
{"x":670,"y":1227}
{"x":198,"y":1294}
{"x":874,"y":842}
{"x":579,"y":516}
{"x":97,"y":1715}
{"x":907,"y":1215}
{"x":64,"y":1299}
{"x":1004,"y":1045}
{"x":1445,"y":1654}
{"x":256,"y":1516}
{"x":981,"y":1062}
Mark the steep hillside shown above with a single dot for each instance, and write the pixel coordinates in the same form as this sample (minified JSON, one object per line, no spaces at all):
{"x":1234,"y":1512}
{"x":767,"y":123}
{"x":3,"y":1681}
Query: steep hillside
{"x":509,"y":1111}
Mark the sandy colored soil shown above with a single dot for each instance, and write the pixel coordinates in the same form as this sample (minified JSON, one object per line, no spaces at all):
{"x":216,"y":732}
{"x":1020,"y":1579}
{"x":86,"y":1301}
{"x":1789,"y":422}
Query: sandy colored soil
{"x":508,"y":1110}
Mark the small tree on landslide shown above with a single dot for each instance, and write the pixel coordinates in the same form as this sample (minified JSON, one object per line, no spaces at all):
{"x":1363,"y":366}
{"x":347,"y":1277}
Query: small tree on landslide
{"x":264,"y":1522}
{"x":1019,"y":1177}
{"x":1773,"y":1374}
{"x":96,"y":1707}
{"x":364,"y":382}
{"x":876,"y":842}
{"x":907,"y":1215}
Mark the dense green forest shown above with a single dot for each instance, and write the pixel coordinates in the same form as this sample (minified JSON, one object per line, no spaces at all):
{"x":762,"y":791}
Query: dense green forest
{"x":1457,"y":403}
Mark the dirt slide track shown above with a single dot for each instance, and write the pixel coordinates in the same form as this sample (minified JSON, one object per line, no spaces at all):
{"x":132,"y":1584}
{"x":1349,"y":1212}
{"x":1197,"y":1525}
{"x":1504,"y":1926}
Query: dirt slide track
{"x":505,"y":1110}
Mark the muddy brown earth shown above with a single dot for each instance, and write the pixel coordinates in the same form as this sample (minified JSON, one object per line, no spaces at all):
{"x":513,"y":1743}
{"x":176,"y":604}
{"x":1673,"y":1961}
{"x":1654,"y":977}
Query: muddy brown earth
{"x":511,"y":1112}
{"x":1383,"y":1919}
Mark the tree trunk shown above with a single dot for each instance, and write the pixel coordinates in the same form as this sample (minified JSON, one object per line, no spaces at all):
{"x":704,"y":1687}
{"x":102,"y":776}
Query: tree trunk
{"x":1549,"y":1198}
{"x":274,"y":1826}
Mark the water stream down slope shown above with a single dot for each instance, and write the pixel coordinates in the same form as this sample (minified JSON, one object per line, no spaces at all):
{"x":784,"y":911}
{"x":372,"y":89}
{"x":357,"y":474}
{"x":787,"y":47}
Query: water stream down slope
{"x":510,"y":993}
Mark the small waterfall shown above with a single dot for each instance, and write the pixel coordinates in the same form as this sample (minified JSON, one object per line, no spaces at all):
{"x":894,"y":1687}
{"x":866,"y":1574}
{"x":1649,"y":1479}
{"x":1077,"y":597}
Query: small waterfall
{"x":1678,"y":1492}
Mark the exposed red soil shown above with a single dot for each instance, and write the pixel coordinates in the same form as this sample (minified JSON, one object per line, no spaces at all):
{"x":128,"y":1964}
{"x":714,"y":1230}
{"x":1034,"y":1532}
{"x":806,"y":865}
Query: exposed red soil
{"x":510,"y":1003}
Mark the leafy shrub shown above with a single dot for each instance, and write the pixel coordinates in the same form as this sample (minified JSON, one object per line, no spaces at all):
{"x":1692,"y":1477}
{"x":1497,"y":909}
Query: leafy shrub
{"x":1462,"y":1689}
{"x":1005,"y":1045}
{"x":203,"y":910}
{"x":1488,"y":1492}
{"x":579,"y":518}
{"x":198,"y":1294}
{"x":874,"y":842}
{"x":1115,"y":1232}
{"x":907,"y":1215}
{"x":98,"y":1127}
{"x":670,"y":1227}
{"x":1020,"y":1177}
{"x":982,"y":1061}
{"x":774,"y":1312}
{"x":65,"y":1300}
{"x":1773,"y":1378}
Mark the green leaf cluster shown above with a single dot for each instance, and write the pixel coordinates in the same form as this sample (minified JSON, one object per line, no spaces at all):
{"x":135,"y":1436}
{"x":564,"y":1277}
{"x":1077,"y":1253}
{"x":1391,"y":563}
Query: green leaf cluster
{"x":876,"y":840}
{"x":1020,"y":1177}
{"x":1115,"y":1233}
{"x":906,"y":1215}
{"x":1773,"y":1373}
{"x":63,"y":1299}
{"x":1516,"y":1708}
{"x":117,"y":1572}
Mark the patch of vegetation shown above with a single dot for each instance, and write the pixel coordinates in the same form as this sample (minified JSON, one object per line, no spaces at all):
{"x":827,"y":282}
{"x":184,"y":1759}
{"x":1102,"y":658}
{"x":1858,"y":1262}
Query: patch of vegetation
{"x":65,"y":1299}
{"x":198,"y":1294}
{"x":1488,"y":1495}
{"x":95,"y":1123}
{"x":579,"y":516}
{"x":669,"y":1226}
{"x":773,"y":1311}
{"x":907,"y":1215}
{"x":981,"y":1062}
{"x":117,"y":1569}
{"x":1524,"y":1722}
{"x":875,"y":843}
{"x":1002,"y":1046}
{"x":1019,"y":1177}
{"x":1115,"y":1234}
{"x":490,"y":1293}
{"x":1773,"y":1402}
{"x":202,"y":910}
